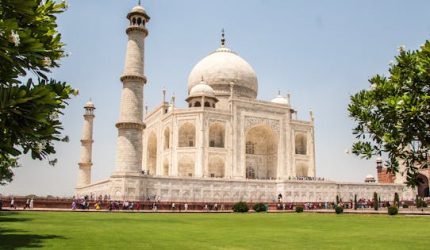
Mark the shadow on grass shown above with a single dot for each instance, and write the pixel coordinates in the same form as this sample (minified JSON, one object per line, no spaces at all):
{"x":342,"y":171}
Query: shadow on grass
{"x":13,"y":219}
{"x":16,"y":239}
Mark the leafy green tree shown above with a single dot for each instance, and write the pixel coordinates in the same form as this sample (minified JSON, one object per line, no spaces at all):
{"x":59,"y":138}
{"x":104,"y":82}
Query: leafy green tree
{"x":393,"y":116}
{"x":396,"y":202}
{"x":355,"y":202}
{"x":30,"y":102}
{"x":375,"y":201}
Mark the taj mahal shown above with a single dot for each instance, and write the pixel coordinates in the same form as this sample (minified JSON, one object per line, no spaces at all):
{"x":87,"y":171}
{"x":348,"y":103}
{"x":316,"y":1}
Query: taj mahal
{"x":226,"y":145}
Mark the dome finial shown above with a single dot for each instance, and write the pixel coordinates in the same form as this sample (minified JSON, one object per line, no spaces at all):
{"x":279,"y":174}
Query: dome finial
{"x":279,"y":92}
{"x":202,"y":79}
{"x":222,"y":38}
{"x":138,"y":3}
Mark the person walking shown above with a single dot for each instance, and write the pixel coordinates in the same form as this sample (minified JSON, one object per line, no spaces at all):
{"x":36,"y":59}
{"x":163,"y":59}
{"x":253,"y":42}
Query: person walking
{"x":12,"y":203}
{"x":27,"y":204}
{"x":31,"y":203}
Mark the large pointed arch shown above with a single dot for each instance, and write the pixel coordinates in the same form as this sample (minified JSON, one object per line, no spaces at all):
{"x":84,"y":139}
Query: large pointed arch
{"x":261,"y":153}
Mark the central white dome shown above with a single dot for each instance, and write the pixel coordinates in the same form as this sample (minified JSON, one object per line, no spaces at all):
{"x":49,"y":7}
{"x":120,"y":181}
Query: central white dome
{"x":220,"y":69}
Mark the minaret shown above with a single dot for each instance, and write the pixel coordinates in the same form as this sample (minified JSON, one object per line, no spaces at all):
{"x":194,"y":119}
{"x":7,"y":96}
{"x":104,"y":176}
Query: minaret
{"x":130,"y":124}
{"x":85,"y":163}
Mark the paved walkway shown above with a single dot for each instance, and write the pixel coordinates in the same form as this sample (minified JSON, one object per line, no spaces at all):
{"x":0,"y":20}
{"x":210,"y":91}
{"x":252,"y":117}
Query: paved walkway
{"x":382,"y":211}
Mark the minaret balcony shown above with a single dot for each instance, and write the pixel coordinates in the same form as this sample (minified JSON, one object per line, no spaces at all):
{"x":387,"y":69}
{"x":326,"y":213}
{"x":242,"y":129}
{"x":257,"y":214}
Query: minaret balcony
{"x":132,"y":125}
{"x":126,"y":76}
{"x":137,"y":29}
{"x":85,"y":164}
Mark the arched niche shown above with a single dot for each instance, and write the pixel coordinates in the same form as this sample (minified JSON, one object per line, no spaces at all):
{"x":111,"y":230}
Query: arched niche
{"x":166,"y":167}
{"x":300,"y":143}
{"x":152,"y":153}
{"x":216,"y":135}
{"x":302,"y":169}
{"x":216,"y":167}
{"x":187,"y":135}
{"x":166,"y":138}
{"x":186,"y":166}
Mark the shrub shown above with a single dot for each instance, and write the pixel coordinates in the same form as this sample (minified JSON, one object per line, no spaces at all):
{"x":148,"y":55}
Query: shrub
{"x":299,"y":209}
{"x":393,"y":210}
{"x":421,"y":203}
{"x":405,"y":206}
{"x":338,"y":209}
{"x":260,"y":207}
{"x":396,"y":200}
{"x":240,"y":207}
{"x":375,"y":201}
{"x":355,"y":202}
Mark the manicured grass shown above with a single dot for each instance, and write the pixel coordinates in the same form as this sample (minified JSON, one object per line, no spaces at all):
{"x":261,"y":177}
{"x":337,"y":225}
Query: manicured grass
{"x":83,"y":230}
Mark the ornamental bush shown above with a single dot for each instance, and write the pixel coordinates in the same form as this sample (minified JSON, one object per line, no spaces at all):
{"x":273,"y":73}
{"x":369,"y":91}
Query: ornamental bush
{"x":421,"y":203}
{"x":299,"y":209}
{"x":338,"y":209}
{"x":260,"y":207}
{"x":393,"y":210}
{"x":405,"y":206}
{"x":240,"y":207}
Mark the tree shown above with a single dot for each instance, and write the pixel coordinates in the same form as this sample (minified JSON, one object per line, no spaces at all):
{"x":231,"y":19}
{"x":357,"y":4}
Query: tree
{"x":375,"y":201}
{"x":396,"y":202}
{"x":355,"y":202}
{"x":393,"y":116}
{"x":30,"y":102}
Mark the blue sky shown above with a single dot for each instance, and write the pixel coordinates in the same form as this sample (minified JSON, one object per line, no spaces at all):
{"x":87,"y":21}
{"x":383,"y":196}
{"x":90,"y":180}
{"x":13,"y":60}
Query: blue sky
{"x":319,"y":51}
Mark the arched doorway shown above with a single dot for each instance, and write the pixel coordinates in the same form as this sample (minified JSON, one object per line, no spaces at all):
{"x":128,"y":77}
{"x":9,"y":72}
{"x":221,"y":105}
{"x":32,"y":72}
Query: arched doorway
{"x":423,"y":186}
{"x":301,"y":170}
{"x":216,"y":167}
{"x":261,"y":153}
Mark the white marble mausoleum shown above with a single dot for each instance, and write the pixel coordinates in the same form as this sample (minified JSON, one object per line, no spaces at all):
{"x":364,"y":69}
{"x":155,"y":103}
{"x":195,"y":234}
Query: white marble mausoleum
{"x":225,"y":145}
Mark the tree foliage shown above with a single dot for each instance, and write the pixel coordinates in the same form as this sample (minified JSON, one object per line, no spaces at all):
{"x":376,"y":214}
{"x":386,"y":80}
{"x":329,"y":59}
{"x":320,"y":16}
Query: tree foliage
{"x":30,"y":102}
{"x":393,"y":116}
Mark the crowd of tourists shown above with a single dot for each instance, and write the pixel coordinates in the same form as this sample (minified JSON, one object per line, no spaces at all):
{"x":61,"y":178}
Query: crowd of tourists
{"x":29,"y":203}
{"x":305,"y":178}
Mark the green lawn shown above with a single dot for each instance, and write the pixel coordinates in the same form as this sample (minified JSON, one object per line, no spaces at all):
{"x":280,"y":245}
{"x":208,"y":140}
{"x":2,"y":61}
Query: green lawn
{"x":83,"y":230}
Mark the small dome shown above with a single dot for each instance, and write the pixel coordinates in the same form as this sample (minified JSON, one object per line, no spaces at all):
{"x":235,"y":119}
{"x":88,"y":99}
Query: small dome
{"x":89,"y":105}
{"x":220,"y":69}
{"x":369,"y":178}
{"x":202,"y":89}
{"x":138,"y":9}
{"x":280,"y":100}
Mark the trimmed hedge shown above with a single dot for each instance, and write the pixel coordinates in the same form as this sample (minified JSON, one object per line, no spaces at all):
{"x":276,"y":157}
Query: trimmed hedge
{"x":393,"y":210}
{"x":299,"y":209}
{"x":338,"y":209}
{"x":421,"y":203}
{"x":240,"y":207}
{"x":405,"y":206}
{"x":260,"y":207}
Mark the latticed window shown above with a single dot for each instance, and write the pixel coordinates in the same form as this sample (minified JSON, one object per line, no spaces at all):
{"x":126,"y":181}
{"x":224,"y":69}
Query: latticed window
{"x":249,"y":148}
{"x":250,"y":173}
